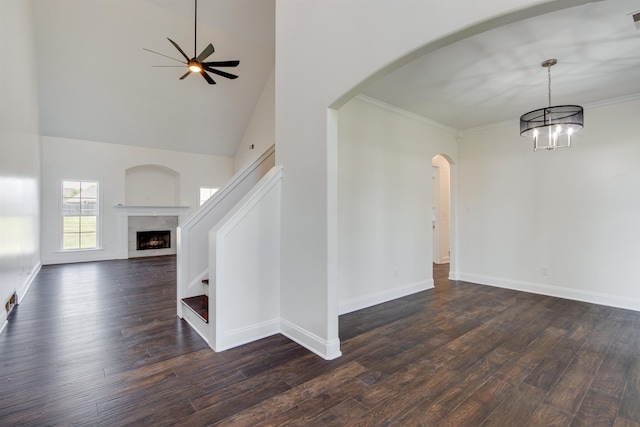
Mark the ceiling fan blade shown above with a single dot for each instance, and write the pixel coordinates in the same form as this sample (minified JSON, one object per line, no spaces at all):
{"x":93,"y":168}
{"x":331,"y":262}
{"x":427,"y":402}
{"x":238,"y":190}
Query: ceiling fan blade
{"x":178,"y":47}
{"x":207,"y":78}
{"x":221,"y":73}
{"x":168,"y":66}
{"x":205,"y":53}
{"x":185,"y":75}
{"x":221,"y":64}
{"x":162,"y":54}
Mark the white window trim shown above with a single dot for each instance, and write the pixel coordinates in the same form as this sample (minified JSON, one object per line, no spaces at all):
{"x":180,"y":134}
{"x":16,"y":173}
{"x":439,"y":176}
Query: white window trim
{"x":99,"y":228}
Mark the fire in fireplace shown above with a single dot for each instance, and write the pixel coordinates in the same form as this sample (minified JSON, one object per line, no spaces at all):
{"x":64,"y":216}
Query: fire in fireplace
{"x":153,"y":240}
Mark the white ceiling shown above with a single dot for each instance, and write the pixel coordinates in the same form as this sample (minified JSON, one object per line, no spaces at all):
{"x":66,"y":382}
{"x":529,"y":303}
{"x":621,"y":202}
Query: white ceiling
{"x":96,"y":82}
{"x":496,"y":76}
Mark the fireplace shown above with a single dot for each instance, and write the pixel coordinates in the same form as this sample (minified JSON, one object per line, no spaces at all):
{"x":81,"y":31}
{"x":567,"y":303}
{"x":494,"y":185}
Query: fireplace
{"x":153,"y":240}
{"x":133,"y":219}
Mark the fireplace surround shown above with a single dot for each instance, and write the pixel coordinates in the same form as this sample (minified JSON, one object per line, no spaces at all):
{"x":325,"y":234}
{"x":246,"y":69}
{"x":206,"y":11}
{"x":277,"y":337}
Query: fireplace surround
{"x":133,"y":219}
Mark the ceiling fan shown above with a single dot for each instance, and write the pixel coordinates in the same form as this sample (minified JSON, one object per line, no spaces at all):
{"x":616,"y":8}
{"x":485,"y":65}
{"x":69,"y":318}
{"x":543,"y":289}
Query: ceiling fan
{"x":197,"y":64}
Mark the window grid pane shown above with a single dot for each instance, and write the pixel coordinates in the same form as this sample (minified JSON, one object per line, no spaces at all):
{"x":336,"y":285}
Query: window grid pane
{"x":79,"y":215}
{"x":87,"y":240}
{"x":88,"y":224}
{"x":206,"y":193}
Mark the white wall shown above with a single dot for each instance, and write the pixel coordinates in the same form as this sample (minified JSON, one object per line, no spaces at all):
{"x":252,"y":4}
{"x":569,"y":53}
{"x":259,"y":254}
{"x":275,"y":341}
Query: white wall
{"x":385,"y":198}
{"x":65,"y":158}
{"x":19,"y":152}
{"x":324,"y":50}
{"x":151,"y":185}
{"x":245,"y":258}
{"x":573,"y":211}
{"x":260,"y":131}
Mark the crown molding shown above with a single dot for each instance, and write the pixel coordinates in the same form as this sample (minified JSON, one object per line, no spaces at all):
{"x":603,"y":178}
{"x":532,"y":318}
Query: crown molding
{"x":409,"y":114}
{"x":460,"y":133}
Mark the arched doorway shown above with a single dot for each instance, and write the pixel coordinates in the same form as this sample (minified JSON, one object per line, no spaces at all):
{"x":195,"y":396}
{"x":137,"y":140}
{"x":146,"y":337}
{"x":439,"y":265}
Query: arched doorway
{"x":441,"y":214}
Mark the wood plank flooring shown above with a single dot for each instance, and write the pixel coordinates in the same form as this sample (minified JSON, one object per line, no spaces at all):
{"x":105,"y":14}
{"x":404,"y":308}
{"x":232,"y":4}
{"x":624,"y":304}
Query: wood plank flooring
{"x":99,"y":344}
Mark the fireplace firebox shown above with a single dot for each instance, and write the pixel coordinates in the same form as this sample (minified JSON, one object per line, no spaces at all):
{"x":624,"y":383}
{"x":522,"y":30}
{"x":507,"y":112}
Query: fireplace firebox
{"x":153,"y":240}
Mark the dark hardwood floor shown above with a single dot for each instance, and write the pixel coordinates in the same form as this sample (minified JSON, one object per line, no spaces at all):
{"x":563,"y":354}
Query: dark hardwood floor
{"x":100,"y":344}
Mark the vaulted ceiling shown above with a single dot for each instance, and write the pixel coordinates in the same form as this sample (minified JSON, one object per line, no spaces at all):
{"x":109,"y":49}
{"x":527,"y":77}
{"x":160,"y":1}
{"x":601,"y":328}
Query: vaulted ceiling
{"x":97,"y":83}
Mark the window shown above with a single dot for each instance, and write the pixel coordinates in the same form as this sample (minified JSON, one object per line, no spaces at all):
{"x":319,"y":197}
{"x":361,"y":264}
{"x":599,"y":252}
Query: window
{"x":79,"y":215}
{"x":205,"y":193}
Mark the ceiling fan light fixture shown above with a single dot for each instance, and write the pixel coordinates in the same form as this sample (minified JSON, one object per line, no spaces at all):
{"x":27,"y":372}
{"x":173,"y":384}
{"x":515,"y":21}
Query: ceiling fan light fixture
{"x":195,"y":66}
{"x":552,"y":127}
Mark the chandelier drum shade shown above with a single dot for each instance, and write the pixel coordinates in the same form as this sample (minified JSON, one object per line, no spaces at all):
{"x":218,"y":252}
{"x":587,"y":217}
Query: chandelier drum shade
{"x":551,"y":127}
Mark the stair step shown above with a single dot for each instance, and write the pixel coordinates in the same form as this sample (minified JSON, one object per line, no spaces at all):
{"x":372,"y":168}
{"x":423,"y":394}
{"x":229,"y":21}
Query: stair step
{"x":205,"y":281}
{"x":199,"y":305}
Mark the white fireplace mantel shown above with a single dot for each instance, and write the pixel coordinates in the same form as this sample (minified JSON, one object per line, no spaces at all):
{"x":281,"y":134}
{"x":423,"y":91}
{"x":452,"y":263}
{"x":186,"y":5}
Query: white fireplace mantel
{"x":125,"y":211}
{"x":152,"y":210}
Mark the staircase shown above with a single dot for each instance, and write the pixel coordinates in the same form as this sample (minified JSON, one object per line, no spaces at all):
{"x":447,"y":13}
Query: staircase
{"x":223,"y":248}
{"x":199,"y":304}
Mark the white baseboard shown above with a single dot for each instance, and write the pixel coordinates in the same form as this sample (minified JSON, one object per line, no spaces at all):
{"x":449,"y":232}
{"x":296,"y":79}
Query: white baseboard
{"x":21,"y":292}
{"x":328,"y":350}
{"x":240,"y":336}
{"x":554,"y":291}
{"x":71,"y":257}
{"x":28,"y":282}
{"x":354,"y":304}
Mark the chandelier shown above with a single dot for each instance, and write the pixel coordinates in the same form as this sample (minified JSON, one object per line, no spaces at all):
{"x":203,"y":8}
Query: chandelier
{"x":551,"y":127}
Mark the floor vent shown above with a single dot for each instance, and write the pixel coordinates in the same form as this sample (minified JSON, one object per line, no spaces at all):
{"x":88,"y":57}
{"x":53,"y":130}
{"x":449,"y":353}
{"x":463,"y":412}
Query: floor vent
{"x":11,"y":303}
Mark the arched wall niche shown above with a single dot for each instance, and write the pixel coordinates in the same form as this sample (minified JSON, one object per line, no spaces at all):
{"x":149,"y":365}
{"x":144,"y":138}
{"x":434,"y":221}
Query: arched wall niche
{"x":152,"y":185}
